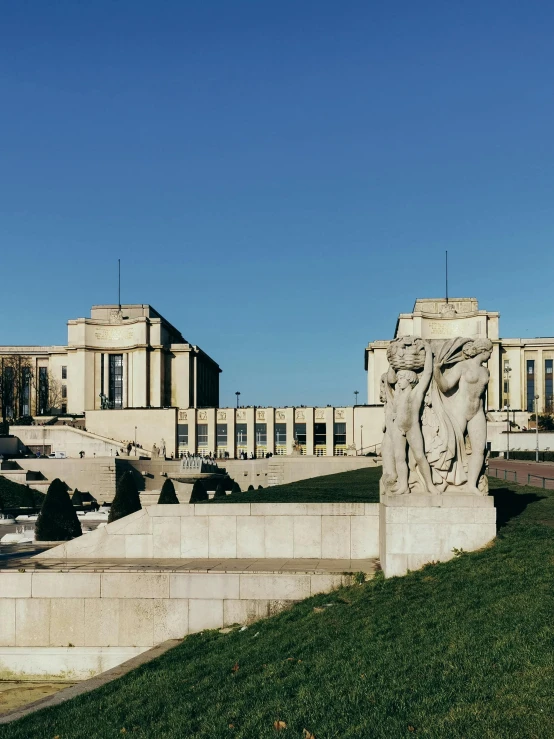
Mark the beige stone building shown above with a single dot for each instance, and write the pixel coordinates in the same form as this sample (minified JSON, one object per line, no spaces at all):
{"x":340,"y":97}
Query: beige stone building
{"x":520,"y":368}
{"x":125,"y":356}
{"x":134,"y":377}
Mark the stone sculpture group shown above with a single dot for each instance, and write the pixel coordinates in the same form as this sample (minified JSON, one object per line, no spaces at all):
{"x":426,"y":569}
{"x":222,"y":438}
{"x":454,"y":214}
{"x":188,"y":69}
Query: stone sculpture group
{"x":435,"y":426}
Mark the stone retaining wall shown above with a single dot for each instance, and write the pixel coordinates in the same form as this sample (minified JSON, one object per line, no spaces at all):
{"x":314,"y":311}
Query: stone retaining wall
{"x":242,"y":530}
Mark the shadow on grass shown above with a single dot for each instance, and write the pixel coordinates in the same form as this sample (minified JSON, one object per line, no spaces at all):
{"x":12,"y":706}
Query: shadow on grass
{"x":510,"y":504}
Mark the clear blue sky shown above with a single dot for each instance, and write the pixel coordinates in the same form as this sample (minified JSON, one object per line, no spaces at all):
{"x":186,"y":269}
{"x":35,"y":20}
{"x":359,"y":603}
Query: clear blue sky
{"x":280,"y":179}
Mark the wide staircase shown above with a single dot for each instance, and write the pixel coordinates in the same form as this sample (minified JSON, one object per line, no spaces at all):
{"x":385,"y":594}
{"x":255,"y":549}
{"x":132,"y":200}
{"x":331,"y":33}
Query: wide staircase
{"x":275,"y":471}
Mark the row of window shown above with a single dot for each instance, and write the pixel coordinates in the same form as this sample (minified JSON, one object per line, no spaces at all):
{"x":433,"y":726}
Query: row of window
{"x":548,"y":385}
{"x":260,"y":434}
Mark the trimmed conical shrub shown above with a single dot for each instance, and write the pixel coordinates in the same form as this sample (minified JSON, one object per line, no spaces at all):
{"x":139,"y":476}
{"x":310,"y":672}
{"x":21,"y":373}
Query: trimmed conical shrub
{"x":220,"y":491}
{"x":235,"y":489}
{"x":228,"y":484}
{"x":77,"y":498}
{"x":168,"y":494}
{"x":251,"y":487}
{"x":127,"y":499}
{"x":260,"y":487}
{"x":198,"y":492}
{"x":57,"y":520}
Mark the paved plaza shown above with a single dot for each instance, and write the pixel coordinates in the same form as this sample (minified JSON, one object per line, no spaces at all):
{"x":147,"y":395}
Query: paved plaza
{"x":537,"y":474}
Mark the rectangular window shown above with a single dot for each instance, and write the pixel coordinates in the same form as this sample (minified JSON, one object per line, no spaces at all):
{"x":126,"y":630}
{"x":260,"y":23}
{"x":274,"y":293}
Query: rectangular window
{"x":339,"y":434}
{"x":261,"y":434}
{"x":530,"y":385}
{"x":183,"y":434}
{"x":102,"y":374}
{"x":43,"y":405}
{"x":25,"y":397}
{"x":505,"y":387}
{"x":64,"y":373}
{"x":548,"y":385}
{"x":280,"y":434}
{"x":8,"y":392}
{"x":221,"y":434}
{"x":202,"y":433}
{"x":300,"y":433}
{"x":116,"y":381}
{"x":64,"y":409}
{"x":320,"y":434}
{"x":64,"y":391}
{"x":242,"y":436}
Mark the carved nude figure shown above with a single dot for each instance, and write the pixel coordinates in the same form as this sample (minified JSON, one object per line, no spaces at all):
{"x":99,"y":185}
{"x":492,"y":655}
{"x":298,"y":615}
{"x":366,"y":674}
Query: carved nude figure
{"x":463,"y":385}
{"x":410,"y":389}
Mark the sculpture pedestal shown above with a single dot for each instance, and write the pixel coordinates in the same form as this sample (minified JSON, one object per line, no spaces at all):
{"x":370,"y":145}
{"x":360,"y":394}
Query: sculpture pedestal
{"x":417,"y":529}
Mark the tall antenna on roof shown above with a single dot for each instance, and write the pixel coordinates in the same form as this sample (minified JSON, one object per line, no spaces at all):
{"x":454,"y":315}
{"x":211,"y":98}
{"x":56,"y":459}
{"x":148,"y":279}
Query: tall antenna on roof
{"x":119,"y":282}
{"x":446,"y":275}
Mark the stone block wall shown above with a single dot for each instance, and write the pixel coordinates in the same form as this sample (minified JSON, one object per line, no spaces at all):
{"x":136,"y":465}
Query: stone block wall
{"x":234,"y":530}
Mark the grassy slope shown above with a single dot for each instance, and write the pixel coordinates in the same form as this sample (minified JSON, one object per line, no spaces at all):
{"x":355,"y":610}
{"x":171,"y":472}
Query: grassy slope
{"x":357,"y":486}
{"x":14,"y":495}
{"x":456,"y":650}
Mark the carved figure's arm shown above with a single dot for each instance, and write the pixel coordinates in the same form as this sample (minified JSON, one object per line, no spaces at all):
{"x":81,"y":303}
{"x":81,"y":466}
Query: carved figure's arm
{"x":446,"y":382}
{"x":425,"y":377}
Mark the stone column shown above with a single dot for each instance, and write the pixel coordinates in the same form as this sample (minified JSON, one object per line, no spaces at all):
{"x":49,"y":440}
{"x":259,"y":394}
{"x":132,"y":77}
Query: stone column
{"x":125,"y":400}
{"x":106,"y":374}
{"x":309,"y":414}
{"x":250,"y":430}
{"x":494,"y":391}
{"x":270,"y":421}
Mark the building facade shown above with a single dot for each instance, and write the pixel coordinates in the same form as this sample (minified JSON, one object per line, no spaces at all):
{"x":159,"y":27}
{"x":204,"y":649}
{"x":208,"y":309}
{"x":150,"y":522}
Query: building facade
{"x":519,"y":369}
{"x":135,"y":378}
{"x":125,"y":356}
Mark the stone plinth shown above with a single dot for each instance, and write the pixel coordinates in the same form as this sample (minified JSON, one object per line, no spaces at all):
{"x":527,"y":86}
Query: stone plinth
{"x":417,"y":529}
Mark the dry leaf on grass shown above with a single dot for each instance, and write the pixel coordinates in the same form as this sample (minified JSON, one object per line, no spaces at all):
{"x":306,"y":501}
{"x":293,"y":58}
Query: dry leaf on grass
{"x":235,"y":667}
{"x":279,"y":725}
{"x":307,"y":734}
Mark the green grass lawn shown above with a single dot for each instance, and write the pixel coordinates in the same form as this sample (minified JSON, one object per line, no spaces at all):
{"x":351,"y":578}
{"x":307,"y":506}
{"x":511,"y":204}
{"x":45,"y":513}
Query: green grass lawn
{"x":461,"y":650}
{"x":357,"y":486}
{"x":13,"y":495}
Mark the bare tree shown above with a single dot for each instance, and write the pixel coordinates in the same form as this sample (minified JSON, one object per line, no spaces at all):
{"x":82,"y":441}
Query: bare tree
{"x":55,"y":398}
{"x":17,"y":381}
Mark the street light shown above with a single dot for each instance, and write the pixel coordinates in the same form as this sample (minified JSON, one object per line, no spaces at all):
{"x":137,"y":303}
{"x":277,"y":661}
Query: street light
{"x":362,"y":439}
{"x":508,"y":431}
{"x":237,"y":394}
{"x":135,"y":441}
{"x":537,"y":427}
{"x":356,"y":393}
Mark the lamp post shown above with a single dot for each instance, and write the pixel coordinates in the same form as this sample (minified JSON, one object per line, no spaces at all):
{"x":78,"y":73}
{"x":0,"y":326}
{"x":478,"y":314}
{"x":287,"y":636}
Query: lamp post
{"x":508,"y":431}
{"x":135,"y":441}
{"x":237,"y":394}
{"x":537,"y":427}
{"x":356,"y":393}
{"x":507,"y":370}
{"x":362,"y":439}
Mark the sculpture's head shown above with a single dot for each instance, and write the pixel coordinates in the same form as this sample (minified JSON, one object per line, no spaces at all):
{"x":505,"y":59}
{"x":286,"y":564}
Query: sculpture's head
{"x":406,"y":378}
{"x":478,"y":346}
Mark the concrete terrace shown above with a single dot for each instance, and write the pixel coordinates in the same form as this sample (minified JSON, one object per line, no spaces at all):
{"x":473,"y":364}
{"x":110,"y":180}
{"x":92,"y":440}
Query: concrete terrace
{"x":237,"y":566}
